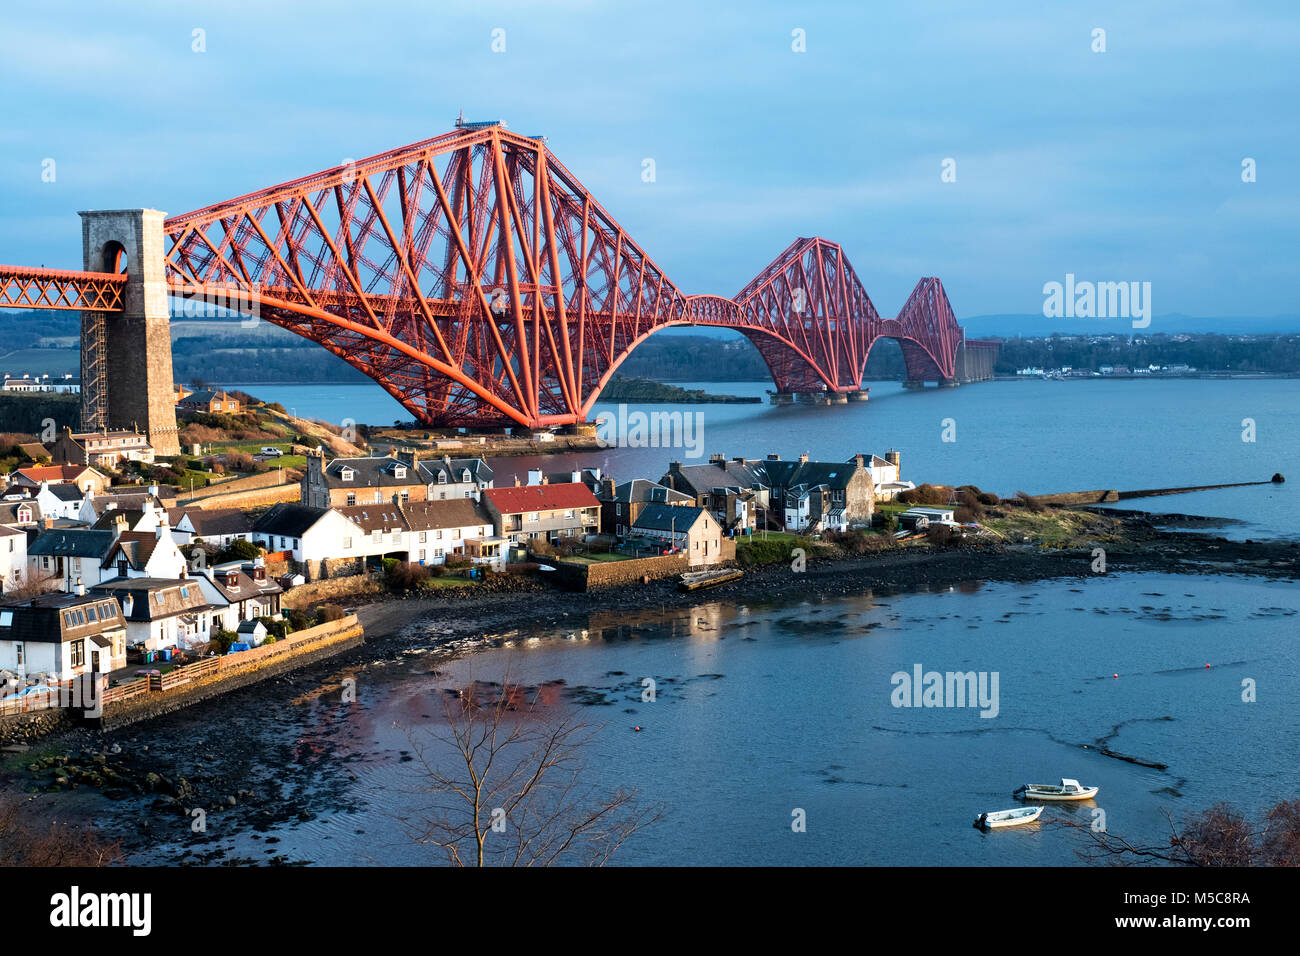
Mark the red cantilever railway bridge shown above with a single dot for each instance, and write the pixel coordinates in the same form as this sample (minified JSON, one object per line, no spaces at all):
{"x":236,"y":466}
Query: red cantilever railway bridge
{"x":474,"y":278}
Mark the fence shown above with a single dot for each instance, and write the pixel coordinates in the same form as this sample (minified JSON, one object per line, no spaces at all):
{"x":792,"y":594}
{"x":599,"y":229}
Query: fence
{"x":183,"y":675}
{"x":128,"y":690}
{"x":54,"y":697}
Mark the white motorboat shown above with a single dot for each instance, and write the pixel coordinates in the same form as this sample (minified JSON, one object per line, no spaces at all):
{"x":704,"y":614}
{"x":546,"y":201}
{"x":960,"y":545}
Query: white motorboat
{"x":1007,"y":818}
{"x":1068,"y":790}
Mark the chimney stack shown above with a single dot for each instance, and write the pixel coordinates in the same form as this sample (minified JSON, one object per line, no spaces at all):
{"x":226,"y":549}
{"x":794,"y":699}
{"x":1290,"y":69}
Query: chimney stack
{"x":803,"y":459}
{"x":81,"y":588}
{"x":893,"y":458}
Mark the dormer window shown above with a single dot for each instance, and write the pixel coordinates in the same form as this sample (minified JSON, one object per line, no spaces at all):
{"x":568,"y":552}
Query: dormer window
{"x":442,"y":477}
{"x":346,"y":474}
{"x":232,"y":579}
{"x":399,"y":471}
{"x":464,"y":475}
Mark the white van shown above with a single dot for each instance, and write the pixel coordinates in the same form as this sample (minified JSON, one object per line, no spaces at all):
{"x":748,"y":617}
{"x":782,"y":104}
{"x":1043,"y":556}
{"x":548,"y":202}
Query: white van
{"x":270,"y":451}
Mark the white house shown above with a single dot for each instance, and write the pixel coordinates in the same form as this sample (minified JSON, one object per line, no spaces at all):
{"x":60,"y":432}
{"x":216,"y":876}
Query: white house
{"x":13,"y":558}
{"x":310,"y":535}
{"x":219,"y":527}
{"x":454,"y":528}
{"x":60,"y":636}
{"x":694,"y":531}
{"x":161,"y":613}
{"x":239,"y":592}
{"x":65,"y":556}
{"x":60,"y":500}
{"x":144,"y":554}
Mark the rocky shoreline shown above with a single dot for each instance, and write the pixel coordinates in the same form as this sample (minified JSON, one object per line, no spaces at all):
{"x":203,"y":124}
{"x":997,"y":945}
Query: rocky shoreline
{"x":218,"y":756}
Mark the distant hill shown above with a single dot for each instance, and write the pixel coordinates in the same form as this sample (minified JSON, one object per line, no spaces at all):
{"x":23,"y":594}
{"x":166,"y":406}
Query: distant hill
{"x":1031,"y":325}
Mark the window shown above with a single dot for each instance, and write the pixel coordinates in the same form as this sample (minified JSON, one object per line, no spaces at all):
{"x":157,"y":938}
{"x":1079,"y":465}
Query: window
{"x":68,"y":619}
{"x":424,"y":536}
{"x":406,"y":496}
{"x":422,"y":554}
{"x":442,"y":496}
{"x":78,"y":651}
{"x":456,"y":534}
{"x":6,"y":618}
{"x":399,"y":472}
{"x":18,"y":649}
{"x":618,"y":508}
{"x":159,"y":596}
{"x":439,"y":534}
{"x":347,"y":542}
{"x":442,"y":477}
{"x":376,"y":536}
{"x":346,"y":474}
{"x":185,"y":591}
{"x":352,"y":497}
{"x":465,"y":476}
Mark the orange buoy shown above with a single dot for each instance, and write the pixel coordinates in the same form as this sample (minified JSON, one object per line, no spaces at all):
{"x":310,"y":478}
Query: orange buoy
{"x":1115,"y":676}
{"x":1207,"y":667}
{"x":637,"y":729}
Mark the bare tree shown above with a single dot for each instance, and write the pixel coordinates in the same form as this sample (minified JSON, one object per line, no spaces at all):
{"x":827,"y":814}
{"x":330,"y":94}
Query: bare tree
{"x":504,"y":775}
{"x":1219,"y":836}
{"x":28,"y":839}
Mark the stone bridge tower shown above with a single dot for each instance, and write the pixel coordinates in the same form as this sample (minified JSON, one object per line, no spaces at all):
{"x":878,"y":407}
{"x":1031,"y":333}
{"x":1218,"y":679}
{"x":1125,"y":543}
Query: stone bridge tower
{"x":126,"y":358}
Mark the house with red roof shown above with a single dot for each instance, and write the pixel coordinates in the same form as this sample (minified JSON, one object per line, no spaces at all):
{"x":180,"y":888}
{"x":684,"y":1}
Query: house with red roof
{"x":550,"y":511}
{"x":83,"y":476}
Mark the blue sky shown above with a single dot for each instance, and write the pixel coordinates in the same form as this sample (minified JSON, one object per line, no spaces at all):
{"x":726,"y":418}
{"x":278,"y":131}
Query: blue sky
{"x":1115,"y":166}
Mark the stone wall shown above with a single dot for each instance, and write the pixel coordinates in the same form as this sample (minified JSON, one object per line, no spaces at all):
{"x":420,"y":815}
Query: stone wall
{"x":605,"y":574}
{"x":330,"y":590}
{"x":240,"y":670}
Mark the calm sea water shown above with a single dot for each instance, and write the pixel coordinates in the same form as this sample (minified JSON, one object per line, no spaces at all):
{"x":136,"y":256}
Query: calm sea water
{"x":765,"y":709}
{"x":1035,"y":436}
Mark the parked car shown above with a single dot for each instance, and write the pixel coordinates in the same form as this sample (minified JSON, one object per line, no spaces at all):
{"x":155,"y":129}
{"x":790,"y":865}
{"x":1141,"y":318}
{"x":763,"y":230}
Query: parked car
{"x":270,"y":451}
{"x":28,"y":691}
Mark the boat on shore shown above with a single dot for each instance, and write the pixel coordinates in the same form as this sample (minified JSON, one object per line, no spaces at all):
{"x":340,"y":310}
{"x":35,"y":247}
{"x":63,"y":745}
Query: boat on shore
{"x":1068,"y":790}
{"x":999,"y":819}
{"x":699,"y":580}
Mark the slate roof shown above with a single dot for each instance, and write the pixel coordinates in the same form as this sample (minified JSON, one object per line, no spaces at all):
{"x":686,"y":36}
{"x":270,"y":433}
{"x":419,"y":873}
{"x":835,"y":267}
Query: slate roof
{"x":136,"y":546}
{"x":381,"y":472}
{"x":663,"y":517}
{"x":108,"y":520}
{"x":42,"y":618}
{"x":383,"y":516}
{"x":557,"y":497}
{"x":452,"y":513}
{"x":179,"y":596}
{"x":216,"y":522}
{"x":72,"y":543}
{"x":289,"y":519}
{"x":9,"y":510}
{"x":642,"y":489}
{"x":702,"y":478}
{"x":123,"y":499}
{"x":790,"y":474}
{"x":65,"y":492}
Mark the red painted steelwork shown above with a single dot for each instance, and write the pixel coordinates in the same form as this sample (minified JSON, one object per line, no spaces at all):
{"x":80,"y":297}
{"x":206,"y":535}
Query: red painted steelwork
{"x":65,"y":289}
{"x":474,"y":278}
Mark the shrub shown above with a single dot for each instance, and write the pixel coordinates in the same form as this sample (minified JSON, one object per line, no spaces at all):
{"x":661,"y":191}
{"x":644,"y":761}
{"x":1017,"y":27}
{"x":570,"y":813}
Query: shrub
{"x":223,"y":639}
{"x":298,"y":618}
{"x":402,"y":576}
{"x":329,"y":612}
{"x":1030,"y":502}
{"x":238,"y":550}
{"x":927,"y":494}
